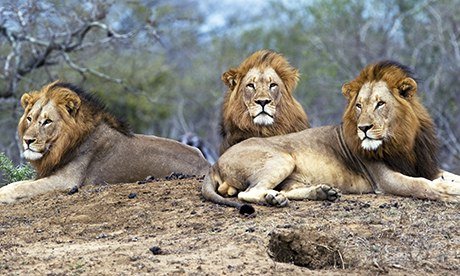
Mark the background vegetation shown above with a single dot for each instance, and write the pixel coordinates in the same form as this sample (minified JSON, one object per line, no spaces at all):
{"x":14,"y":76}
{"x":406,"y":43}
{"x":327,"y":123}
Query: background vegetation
{"x":158,"y":63}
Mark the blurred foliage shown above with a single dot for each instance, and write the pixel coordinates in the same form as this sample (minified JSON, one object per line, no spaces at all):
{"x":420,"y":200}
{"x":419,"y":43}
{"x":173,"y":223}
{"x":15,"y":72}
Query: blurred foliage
{"x":12,"y":173}
{"x":170,"y":68}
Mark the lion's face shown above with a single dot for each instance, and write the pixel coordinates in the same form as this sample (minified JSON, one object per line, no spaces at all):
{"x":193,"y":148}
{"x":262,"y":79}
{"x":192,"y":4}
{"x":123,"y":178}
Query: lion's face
{"x":41,"y":124}
{"x":381,"y":113}
{"x":375,"y":110}
{"x":259,"y":101}
{"x":261,"y":89}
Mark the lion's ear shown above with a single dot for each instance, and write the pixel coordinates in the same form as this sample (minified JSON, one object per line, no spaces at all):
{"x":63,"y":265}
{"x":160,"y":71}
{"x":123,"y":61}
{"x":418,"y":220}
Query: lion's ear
{"x":25,"y":100}
{"x":407,"y":87}
{"x":346,"y":90}
{"x":291,"y":80}
{"x":230,"y":78}
{"x":71,"y":102}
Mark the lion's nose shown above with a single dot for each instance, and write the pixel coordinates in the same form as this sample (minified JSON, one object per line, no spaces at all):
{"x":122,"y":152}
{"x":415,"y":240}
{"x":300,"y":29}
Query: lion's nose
{"x":263,"y":102}
{"x":365,"y":128}
{"x":29,"y":141}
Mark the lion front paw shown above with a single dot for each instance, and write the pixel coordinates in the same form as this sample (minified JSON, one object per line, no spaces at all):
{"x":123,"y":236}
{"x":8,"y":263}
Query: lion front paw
{"x":326,"y":192}
{"x":276,"y":198}
{"x":446,"y":190}
{"x":6,"y":195}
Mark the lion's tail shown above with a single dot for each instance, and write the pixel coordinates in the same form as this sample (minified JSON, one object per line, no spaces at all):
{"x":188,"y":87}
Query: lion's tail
{"x":209,"y":192}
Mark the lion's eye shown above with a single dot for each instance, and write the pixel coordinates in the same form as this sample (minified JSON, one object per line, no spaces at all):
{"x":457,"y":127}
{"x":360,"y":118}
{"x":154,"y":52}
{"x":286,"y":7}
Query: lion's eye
{"x":358,"y":105}
{"x":29,"y":119}
{"x":250,"y":85}
{"x":47,"y":122}
{"x":273,"y":85}
{"x":379,"y":104}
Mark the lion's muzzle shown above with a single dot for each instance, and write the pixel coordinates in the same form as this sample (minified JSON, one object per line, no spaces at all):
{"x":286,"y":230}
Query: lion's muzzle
{"x":32,"y":155}
{"x":369,"y":141}
{"x":31,"y":152}
{"x":264,"y":113}
{"x":263,"y":118}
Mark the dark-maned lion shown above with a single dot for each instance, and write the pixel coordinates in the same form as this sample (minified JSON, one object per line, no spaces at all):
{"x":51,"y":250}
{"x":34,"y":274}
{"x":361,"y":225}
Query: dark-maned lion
{"x":259,"y":101}
{"x":71,"y":140}
{"x":386,"y":144}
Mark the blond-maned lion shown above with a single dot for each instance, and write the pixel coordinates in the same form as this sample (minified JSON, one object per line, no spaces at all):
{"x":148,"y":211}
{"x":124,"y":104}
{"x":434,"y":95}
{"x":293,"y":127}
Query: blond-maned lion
{"x":259,"y":101}
{"x":386,"y":144}
{"x":71,"y":140}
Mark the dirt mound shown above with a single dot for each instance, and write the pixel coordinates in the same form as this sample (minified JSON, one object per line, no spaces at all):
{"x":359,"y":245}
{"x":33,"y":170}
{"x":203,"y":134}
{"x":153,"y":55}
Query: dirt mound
{"x":305,"y":247}
{"x":164,"y":227}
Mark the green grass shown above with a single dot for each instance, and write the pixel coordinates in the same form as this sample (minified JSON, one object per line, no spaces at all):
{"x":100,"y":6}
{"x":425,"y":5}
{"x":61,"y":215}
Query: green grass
{"x":12,"y":173}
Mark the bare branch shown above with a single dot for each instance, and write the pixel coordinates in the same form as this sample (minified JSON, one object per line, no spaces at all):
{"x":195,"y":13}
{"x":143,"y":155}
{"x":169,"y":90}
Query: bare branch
{"x":408,"y":13}
{"x":449,"y":138}
{"x":83,"y":70}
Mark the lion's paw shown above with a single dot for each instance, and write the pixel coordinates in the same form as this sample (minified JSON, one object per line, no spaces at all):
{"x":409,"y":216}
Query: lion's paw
{"x":446,"y":190}
{"x":6,"y":195}
{"x":326,"y":192}
{"x":449,"y":177}
{"x":276,"y":198}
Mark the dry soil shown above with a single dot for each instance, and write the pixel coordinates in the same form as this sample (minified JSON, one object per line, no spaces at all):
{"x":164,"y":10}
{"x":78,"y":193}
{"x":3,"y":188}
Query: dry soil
{"x":165,"y":227}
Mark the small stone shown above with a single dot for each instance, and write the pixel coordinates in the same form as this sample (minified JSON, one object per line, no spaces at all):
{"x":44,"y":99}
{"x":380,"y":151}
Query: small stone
{"x":135,"y":258}
{"x":250,"y":229}
{"x":156,"y":250}
{"x":102,"y":236}
{"x":73,"y":190}
{"x":174,"y":176}
{"x":132,"y":195}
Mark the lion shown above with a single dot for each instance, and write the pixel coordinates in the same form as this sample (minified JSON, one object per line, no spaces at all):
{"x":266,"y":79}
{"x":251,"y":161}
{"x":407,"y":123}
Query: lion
{"x":386,"y":144}
{"x":71,"y":140}
{"x":259,"y":101}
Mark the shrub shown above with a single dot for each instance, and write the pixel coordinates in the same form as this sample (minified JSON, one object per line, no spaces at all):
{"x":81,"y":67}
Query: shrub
{"x":12,"y":173}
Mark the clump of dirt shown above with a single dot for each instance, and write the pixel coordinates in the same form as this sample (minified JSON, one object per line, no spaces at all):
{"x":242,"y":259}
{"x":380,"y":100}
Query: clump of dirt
{"x":305,"y":247}
{"x":174,"y":176}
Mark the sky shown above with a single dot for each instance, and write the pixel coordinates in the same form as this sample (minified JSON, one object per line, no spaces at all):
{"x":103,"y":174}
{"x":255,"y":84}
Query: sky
{"x":218,"y":11}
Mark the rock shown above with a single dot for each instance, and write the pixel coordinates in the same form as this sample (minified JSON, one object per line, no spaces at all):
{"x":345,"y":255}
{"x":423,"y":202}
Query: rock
{"x":73,"y":190}
{"x":102,"y":236}
{"x":174,"y":176}
{"x":250,"y":229}
{"x":156,"y":250}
